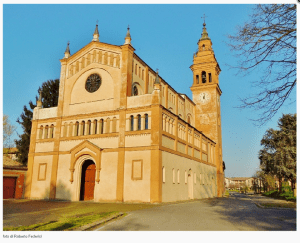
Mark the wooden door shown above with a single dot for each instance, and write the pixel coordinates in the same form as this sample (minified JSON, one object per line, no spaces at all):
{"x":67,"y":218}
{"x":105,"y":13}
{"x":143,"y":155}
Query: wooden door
{"x":88,"y":181}
{"x":9,"y":187}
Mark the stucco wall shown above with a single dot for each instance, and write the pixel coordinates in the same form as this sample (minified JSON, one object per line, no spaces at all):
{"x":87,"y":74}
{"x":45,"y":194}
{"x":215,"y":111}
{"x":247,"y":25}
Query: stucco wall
{"x":137,"y":190}
{"x":179,"y":191}
{"x":41,"y":188}
{"x":105,"y":190}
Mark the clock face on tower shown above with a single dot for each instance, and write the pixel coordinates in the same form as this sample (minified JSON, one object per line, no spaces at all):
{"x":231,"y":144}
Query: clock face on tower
{"x":204,"y":97}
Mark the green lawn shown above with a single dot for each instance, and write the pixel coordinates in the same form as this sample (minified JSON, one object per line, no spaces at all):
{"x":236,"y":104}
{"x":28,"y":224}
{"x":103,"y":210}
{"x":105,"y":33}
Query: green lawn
{"x":59,"y":216}
{"x":63,"y":224}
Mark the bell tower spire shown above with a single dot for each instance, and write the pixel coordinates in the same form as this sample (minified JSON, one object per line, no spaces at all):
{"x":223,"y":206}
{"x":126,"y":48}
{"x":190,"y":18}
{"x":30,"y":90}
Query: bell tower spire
{"x":206,"y":96}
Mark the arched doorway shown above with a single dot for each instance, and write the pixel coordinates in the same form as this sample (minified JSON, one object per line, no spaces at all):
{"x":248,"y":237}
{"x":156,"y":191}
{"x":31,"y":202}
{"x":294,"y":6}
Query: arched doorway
{"x":87,"y":180}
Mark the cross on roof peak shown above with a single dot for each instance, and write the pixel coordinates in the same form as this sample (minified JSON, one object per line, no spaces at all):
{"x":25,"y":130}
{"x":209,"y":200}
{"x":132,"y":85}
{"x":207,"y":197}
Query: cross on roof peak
{"x":203,"y":18}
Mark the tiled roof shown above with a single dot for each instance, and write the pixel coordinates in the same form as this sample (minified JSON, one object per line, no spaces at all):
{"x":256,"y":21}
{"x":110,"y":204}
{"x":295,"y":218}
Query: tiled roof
{"x":8,"y":162}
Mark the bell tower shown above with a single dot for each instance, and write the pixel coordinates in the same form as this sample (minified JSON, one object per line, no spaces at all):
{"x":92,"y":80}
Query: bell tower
{"x":206,"y":96}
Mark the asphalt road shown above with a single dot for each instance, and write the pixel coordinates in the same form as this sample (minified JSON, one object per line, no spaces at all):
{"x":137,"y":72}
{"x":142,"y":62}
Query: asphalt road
{"x":236,"y":213}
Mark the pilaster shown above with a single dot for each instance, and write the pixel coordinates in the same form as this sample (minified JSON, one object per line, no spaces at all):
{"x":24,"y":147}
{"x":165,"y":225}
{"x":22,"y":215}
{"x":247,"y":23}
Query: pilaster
{"x":156,"y":155}
{"x":63,"y":76}
{"x":31,"y":158}
{"x":126,"y":74}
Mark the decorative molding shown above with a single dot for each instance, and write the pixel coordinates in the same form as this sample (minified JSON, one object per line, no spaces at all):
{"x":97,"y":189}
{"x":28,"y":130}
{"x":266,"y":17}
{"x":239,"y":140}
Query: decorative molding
{"x":76,"y":154}
{"x":134,"y":163}
{"x":42,"y":174}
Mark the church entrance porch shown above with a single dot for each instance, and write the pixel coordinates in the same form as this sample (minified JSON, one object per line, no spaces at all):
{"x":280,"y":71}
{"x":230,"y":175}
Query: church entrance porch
{"x":87,"y":181}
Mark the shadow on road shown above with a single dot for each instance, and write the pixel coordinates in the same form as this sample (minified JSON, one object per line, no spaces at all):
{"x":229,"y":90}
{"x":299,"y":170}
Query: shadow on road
{"x":242,"y":211}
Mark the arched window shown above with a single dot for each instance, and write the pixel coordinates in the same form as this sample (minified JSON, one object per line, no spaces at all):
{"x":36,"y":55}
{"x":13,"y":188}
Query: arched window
{"x":51,"y":131}
{"x":146,"y":121}
{"x":209,"y":77}
{"x":95,"y":126}
{"x":203,"y":47}
{"x":114,"y":124}
{"x":89,"y":127}
{"x":76,"y":129}
{"x":197,"y":79}
{"x":82,"y":128}
{"x":135,"y":69}
{"x":185,"y":177}
{"x":107,"y":129}
{"x":163,"y":174}
{"x":46,"y":131}
{"x":189,"y":120}
{"x":101,"y":126}
{"x":131,"y":122}
{"x":178,"y":176}
{"x":70,"y":129}
{"x":139,"y":122}
{"x":135,"y":90}
{"x":203,"y":75}
{"x":41,"y":132}
{"x":173,"y":172}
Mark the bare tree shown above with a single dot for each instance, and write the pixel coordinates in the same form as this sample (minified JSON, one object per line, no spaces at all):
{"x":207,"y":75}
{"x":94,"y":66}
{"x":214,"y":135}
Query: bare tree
{"x":8,"y":131}
{"x":267,"y":45}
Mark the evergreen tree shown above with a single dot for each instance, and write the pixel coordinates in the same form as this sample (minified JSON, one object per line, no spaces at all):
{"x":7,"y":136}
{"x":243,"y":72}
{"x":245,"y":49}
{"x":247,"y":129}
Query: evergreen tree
{"x":278,"y":156}
{"x":50,"y":90}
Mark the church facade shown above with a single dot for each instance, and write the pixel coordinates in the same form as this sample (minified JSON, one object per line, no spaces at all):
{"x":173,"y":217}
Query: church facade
{"x":120,"y":133}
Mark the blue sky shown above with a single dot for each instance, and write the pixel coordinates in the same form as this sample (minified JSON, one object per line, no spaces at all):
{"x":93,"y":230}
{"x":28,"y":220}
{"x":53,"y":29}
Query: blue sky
{"x":164,"y":36}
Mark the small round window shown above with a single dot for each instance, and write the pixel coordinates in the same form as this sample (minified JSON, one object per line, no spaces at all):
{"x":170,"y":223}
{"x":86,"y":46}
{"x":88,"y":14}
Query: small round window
{"x":93,"y":83}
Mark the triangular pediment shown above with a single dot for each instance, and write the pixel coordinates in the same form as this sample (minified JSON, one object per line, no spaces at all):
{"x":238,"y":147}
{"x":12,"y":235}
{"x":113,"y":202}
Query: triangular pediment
{"x":85,"y":146}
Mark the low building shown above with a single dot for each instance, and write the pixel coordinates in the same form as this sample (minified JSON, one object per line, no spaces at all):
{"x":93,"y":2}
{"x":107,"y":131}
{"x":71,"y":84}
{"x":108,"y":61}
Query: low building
{"x":11,"y":153}
{"x":13,"y":178}
{"x":239,"y":182}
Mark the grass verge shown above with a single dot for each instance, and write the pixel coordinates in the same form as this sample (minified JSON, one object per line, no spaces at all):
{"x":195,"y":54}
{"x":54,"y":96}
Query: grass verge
{"x":280,"y":205}
{"x":63,"y":224}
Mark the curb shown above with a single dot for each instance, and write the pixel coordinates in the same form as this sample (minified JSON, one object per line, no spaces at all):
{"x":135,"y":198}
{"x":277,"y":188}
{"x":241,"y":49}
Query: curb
{"x":92,"y":225}
{"x":261,"y":206}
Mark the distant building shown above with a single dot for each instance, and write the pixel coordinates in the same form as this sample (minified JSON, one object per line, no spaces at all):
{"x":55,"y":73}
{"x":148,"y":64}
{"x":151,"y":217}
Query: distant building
{"x":238,"y":182}
{"x":11,"y":153}
{"x":122,"y":133}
